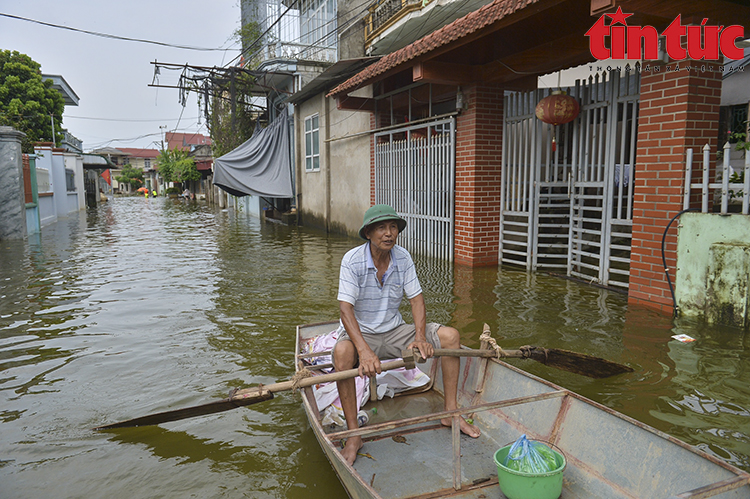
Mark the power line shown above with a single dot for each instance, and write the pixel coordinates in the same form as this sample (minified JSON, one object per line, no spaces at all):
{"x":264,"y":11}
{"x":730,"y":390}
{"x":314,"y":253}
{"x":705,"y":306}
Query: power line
{"x":115,"y":37}
{"x":122,"y":120}
{"x":263,"y":34}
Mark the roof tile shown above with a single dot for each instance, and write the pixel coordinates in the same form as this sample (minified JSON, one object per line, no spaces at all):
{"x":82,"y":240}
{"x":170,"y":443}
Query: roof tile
{"x":459,"y":28}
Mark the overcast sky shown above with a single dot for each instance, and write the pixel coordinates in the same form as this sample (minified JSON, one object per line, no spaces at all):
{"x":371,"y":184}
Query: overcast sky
{"x":117,"y":107}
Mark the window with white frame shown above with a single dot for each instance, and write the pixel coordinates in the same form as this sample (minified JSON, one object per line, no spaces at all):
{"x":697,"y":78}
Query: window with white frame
{"x":312,"y":144}
{"x":318,"y":22}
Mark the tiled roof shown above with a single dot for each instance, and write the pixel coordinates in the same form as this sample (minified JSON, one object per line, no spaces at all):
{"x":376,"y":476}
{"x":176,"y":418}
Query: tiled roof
{"x":139,"y":153}
{"x":186,"y":139}
{"x":459,"y":28}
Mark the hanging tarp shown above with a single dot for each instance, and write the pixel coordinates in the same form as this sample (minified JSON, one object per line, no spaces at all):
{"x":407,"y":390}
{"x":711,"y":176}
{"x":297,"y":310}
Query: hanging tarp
{"x":261,"y":166}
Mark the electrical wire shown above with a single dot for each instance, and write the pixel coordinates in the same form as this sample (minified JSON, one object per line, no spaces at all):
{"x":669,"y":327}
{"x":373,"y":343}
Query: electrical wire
{"x":115,"y":37}
{"x":675,"y":309}
{"x":122,"y":120}
{"x":257,"y":40}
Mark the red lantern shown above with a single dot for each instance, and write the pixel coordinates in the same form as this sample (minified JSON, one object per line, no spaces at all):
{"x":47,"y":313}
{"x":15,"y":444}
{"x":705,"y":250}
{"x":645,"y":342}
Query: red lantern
{"x":557,"y":108}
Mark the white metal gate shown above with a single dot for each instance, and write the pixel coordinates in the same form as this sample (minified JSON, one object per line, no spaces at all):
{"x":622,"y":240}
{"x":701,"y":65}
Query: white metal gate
{"x":415,"y":174}
{"x":570,"y":209}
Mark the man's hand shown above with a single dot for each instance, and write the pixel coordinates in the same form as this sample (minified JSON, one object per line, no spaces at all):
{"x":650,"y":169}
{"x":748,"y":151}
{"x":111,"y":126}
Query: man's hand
{"x":425,"y":348}
{"x":369,"y":363}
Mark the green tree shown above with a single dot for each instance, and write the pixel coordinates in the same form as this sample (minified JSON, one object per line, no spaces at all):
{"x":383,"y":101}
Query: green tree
{"x":27,"y":101}
{"x":177,"y":166}
{"x":130,"y":175}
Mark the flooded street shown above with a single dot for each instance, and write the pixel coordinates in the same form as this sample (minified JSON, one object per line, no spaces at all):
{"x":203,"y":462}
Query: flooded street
{"x":145,"y":305}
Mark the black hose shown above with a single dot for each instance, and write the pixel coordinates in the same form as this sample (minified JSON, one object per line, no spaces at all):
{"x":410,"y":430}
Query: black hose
{"x":664,"y":259}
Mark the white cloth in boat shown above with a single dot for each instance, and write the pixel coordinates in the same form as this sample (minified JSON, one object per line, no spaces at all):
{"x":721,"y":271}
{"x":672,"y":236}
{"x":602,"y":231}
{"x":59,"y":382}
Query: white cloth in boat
{"x":326,"y":395}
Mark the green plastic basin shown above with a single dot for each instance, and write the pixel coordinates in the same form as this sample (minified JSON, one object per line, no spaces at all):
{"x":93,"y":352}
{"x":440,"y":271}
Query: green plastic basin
{"x":518,"y":485}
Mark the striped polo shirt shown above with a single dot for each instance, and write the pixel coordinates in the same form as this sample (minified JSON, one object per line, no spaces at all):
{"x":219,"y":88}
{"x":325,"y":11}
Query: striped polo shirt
{"x":376,"y":306}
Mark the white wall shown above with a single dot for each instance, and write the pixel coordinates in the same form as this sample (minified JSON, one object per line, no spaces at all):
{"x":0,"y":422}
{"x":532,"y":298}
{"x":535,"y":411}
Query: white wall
{"x":62,"y":202}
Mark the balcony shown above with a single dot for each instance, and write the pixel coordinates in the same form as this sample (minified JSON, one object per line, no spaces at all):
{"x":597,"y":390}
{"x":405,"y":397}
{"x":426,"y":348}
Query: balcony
{"x":71,"y":143}
{"x":393,"y":24}
{"x":279,"y":49}
{"x":385,"y":13}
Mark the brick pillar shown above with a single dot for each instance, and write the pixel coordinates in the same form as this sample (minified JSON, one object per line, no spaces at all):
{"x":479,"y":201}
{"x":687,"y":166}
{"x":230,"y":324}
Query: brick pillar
{"x":679,"y":109}
{"x":479,"y":132}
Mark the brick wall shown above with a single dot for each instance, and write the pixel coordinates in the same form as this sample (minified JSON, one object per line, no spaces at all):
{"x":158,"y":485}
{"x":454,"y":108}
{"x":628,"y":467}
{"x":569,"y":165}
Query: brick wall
{"x":679,"y":109}
{"x":479,"y":131}
{"x":27,"y":190}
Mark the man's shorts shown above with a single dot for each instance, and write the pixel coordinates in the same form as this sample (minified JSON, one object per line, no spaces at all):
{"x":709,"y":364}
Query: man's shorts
{"x":389,"y":345}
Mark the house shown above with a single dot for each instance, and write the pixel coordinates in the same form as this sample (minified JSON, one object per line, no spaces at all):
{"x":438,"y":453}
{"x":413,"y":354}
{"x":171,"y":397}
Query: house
{"x":444,"y":129}
{"x":146,"y":160}
{"x":143,"y":159}
{"x":294,"y":48}
{"x":186,"y":141}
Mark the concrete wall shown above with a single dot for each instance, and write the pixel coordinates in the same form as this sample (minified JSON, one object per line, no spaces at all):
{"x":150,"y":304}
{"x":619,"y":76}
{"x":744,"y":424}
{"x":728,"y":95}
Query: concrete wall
{"x":246,"y":204}
{"x":61,"y":203}
{"x":336,"y":197}
{"x":352,"y":37}
{"x":697,"y":233}
{"x":47,"y":211}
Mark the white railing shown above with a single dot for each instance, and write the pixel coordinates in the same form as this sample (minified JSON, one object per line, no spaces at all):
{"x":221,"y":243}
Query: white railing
{"x":415,"y":173}
{"x":729,"y":191}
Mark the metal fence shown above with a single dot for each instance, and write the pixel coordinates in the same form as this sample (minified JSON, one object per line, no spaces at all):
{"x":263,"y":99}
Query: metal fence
{"x":730,"y":192}
{"x":415,"y":174}
{"x":568,"y":208}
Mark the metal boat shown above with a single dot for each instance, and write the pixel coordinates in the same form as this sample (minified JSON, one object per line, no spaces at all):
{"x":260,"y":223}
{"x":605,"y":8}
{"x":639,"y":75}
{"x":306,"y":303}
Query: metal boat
{"x":408,"y":453}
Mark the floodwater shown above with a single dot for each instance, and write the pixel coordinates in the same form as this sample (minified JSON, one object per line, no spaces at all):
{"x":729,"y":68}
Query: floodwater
{"x":141,"y":306}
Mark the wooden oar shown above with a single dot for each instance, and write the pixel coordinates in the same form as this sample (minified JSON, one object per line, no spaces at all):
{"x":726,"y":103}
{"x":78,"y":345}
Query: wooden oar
{"x":574,"y":362}
{"x":578,"y":363}
{"x":247,"y":396}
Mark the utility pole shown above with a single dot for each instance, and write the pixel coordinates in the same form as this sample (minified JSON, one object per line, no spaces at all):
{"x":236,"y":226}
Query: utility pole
{"x":162,"y":128}
{"x":233,"y":97}
{"x":52,"y":120}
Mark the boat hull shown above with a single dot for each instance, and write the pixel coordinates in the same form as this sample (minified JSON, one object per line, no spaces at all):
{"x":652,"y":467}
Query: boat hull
{"x":608,"y":454}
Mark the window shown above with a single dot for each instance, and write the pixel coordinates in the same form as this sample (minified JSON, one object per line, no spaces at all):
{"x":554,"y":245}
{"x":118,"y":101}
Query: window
{"x":312,"y":144}
{"x":70,"y":180}
{"x":147,"y":162}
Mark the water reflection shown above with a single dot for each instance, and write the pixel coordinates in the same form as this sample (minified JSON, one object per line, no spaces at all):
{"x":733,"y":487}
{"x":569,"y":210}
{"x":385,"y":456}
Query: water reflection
{"x":141,"y":306}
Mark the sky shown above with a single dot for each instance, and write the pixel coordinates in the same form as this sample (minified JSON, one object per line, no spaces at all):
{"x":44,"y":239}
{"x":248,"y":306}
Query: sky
{"x":117,"y":107}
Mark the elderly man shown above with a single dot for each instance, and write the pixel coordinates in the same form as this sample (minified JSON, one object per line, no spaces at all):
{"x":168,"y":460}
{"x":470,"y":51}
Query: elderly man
{"x":373,"y":280}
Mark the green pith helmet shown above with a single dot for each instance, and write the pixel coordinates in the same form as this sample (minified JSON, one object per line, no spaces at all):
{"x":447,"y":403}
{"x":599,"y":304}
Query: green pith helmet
{"x":380,"y":213}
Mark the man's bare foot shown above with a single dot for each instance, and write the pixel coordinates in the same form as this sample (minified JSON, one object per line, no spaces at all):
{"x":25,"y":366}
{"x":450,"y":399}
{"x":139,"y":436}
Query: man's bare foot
{"x":352,"y":446}
{"x":466,"y":428}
